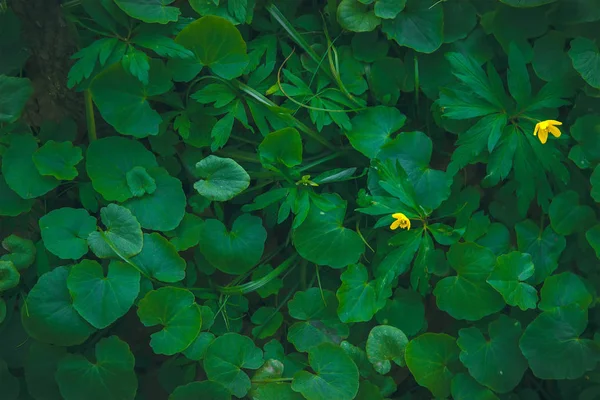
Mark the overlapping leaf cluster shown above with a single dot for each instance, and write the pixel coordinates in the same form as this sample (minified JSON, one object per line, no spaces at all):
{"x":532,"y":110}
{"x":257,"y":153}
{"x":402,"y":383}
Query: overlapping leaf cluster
{"x":222,"y":227}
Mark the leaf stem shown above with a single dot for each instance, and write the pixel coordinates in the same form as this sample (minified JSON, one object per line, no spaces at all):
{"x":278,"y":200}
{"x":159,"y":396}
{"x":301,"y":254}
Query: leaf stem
{"x":89,"y":116}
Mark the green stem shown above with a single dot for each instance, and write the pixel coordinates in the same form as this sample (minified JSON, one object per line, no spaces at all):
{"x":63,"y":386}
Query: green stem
{"x":321,"y":160}
{"x":89,"y":116}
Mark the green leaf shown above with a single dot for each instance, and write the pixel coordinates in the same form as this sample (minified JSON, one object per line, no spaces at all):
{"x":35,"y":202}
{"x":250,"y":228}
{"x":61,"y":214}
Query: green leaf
{"x":495,"y":361}
{"x":553,"y":346}
{"x":9,"y":276}
{"x":372,"y":128}
{"x":215,"y":43}
{"x":267,"y":321}
{"x":12,"y":44}
{"x":419,"y":26}
{"x":356,"y":17}
{"x":123,"y":100}
{"x":10,"y":384}
{"x":16,"y":92}
{"x":563,"y":290}
{"x":356,"y":295}
{"x":431,"y":359}
{"x":567,"y":216}
{"x":586,"y":60}
{"x":177,"y":312}
{"x":388,"y":9}
{"x":58,"y":159}
{"x":323,"y":240}
{"x":162,"y":45}
{"x":196,"y":390}
{"x":413,"y":151}
{"x":164,"y":208}
{"x":526,"y":3}
{"x":335,"y":375}
{"x":110,"y":160}
{"x":467,"y":295}
{"x":110,"y":376}
{"x":459,"y":21}
{"x":223,"y":178}
{"x":22,"y":251}
{"x":384,"y":344}
{"x":545,"y":248}
{"x":150,"y":11}
{"x":508,"y":278}
{"x":550,"y":61}
{"x":404,"y":311}
{"x":65,"y":232}
{"x":320,"y":324}
{"x":466,"y":388}
{"x":20,"y":172}
{"x":237,"y":251}
{"x":50,"y":316}
{"x":140,"y":182}
{"x":519,"y":84}
{"x":122,"y":237}
{"x":225,"y":358}
{"x":283,"y":146}
{"x":136,"y":63}
{"x":197,"y":349}
{"x":11,"y":204}
{"x":100,"y":299}
{"x":187,"y":233}
{"x":40,"y":368}
{"x":593,"y":238}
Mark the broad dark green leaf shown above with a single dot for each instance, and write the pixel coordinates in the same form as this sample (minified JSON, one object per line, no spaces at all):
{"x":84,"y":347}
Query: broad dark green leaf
{"x":544,"y":246}
{"x":283,"y":146}
{"x":356,"y":17}
{"x":65,"y":232}
{"x":157,"y":11}
{"x":223,"y":178}
{"x":373,"y":128}
{"x":586,"y":60}
{"x":384,"y":344}
{"x":58,"y":159}
{"x":508,"y":278}
{"x":15,"y":93}
{"x":122,"y":237}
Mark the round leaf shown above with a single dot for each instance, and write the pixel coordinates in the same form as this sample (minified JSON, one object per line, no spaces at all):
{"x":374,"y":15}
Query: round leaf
{"x":586,"y":60}
{"x":335,"y":375}
{"x":567,"y":216}
{"x":431,"y":358}
{"x":187,"y":233}
{"x":16,"y":92}
{"x":20,"y":173}
{"x":225,"y":358}
{"x":122,"y":99}
{"x":467,"y":295}
{"x":268,"y":320}
{"x":9,"y":277}
{"x":123,"y":234}
{"x":65,"y":232}
{"x":323,"y":240}
{"x":58,"y":159}
{"x":357,"y":296}
{"x":197,"y":390}
{"x":552,"y":345}
{"x":508,"y":278}
{"x":356,"y":17}
{"x":40,"y":367}
{"x":11,"y":204}
{"x":100,"y":299}
{"x":223,"y":178}
{"x":109,"y":160}
{"x":466,"y":388}
{"x":140,"y":182}
{"x":495,"y":362}
{"x":563,"y":290}
{"x":150,"y":11}
{"x":545,"y":250}
{"x":372,"y":128}
{"x":10,"y":384}
{"x":216,"y":43}
{"x":159,"y":259}
{"x":283,"y":146}
{"x":110,"y":377}
{"x":176,"y":310}
{"x":384,"y":344}
{"x":237,"y":251}
{"x":405,"y":311}
{"x":22,"y":251}
{"x":419,"y":26}
{"x":164,"y":208}
{"x":50,"y":316}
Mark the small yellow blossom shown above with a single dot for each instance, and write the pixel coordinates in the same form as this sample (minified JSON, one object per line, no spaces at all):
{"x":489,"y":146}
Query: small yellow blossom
{"x":401,"y":221}
{"x":542,"y":128}
{"x":305,"y":181}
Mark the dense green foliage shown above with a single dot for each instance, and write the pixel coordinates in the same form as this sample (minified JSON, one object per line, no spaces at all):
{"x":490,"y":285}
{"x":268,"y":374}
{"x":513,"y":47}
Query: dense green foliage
{"x":342,"y":199}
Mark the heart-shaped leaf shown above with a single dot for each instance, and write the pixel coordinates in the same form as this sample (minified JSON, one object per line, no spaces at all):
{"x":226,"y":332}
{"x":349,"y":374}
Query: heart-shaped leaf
{"x":159,"y":259}
{"x":236,"y":251}
{"x":562,"y":290}
{"x":122,"y":237}
{"x":65,"y":232}
{"x":16,"y":93}
{"x":508,"y":278}
{"x":567,"y":216}
{"x":357,"y":296}
{"x":384,"y":344}
{"x":9,"y":277}
{"x":283,"y":146}
{"x":100,"y":299}
{"x":50,"y":316}
{"x":204,"y":389}
{"x":177,"y":312}
{"x":110,"y":376}
{"x":323,"y":240}
{"x":225,"y":358}
{"x":335,"y":375}
{"x":545,"y":250}
{"x":373,"y":128}
{"x":11,"y":204}
{"x":586,"y":60}
{"x":223,"y":178}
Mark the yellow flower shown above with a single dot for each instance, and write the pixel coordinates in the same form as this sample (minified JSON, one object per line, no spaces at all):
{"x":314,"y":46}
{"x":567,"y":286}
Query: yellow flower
{"x":401,"y":222}
{"x":542,"y":128}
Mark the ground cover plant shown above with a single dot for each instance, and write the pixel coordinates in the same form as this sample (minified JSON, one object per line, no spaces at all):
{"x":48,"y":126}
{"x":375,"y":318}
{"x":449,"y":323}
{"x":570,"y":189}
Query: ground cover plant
{"x":300,"y":199}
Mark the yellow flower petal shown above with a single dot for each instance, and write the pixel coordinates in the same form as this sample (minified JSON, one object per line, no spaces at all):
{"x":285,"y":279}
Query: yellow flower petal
{"x":395,"y":225}
{"x":543,"y":135}
{"x":554,"y":131}
{"x":553,"y":122}
{"x":537,"y":128}
{"x":401,"y":221}
{"x":398,"y":215}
